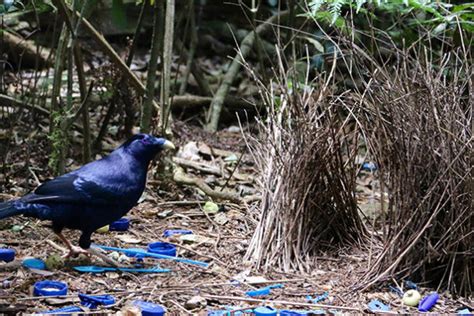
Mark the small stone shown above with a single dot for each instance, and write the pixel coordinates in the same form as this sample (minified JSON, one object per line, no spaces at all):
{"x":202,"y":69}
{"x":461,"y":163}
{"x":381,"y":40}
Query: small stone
{"x":196,"y":302}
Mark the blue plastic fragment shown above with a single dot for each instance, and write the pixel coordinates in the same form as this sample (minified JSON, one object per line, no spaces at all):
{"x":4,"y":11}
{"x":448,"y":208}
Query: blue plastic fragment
{"x":396,"y":290}
{"x":150,"y":309}
{"x":369,"y":166}
{"x":162,"y":248}
{"x":428,"y":302}
{"x":265,"y":311}
{"x":92,"y":301}
{"x":171,"y":232}
{"x":120,"y":225}
{"x":33,"y":263}
{"x":319,"y":298}
{"x":143,"y":253}
{"x":49,"y":288}
{"x":286,"y":312}
{"x":7,"y":254}
{"x":264,"y":290}
{"x":96,"y":269}
{"x":66,"y":310}
{"x":376,"y":305}
{"x":411,"y":285}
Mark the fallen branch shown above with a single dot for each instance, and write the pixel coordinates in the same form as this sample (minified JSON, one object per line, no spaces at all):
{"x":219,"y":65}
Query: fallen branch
{"x":198,"y":166}
{"x":22,"y":49}
{"x":245,"y":48}
{"x":181,"y":177}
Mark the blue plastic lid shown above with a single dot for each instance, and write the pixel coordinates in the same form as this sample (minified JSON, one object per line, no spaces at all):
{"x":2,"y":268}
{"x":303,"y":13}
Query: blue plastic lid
{"x":265,"y":311}
{"x":7,"y":254}
{"x":33,"y":263}
{"x":162,"y":248}
{"x":120,"y":225}
{"x":150,"y":309}
{"x":49,"y":288}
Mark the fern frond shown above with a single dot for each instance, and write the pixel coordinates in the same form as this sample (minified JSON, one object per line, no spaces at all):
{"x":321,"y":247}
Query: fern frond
{"x":335,"y":9}
{"x":315,"y":5}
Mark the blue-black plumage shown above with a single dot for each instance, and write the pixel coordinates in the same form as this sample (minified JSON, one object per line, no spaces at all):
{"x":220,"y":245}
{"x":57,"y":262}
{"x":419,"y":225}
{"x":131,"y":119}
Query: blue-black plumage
{"x":94,"y":195}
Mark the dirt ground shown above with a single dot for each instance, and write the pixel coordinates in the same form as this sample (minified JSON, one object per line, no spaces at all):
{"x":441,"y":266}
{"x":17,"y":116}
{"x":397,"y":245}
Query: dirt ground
{"x":219,"y":238}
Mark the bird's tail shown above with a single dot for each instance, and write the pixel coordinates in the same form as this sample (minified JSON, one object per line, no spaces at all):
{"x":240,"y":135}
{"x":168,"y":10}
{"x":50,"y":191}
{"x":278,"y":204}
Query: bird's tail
{"x":8,"y":209}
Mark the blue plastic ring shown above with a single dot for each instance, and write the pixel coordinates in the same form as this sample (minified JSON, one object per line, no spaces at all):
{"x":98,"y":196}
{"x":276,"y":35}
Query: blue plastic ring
{"x":162,"y":248}
{"x":49,"y":288}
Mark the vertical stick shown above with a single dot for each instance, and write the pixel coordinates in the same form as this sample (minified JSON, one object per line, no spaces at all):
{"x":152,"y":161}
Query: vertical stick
{"x":166,"y":75}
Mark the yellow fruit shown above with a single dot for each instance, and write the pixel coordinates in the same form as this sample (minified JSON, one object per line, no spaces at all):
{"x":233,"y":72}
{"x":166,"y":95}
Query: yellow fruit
{"x":411,"y":298}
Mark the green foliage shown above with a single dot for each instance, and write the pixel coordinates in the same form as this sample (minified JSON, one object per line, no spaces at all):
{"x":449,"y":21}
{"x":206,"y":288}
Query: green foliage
{"x":436,"y":15}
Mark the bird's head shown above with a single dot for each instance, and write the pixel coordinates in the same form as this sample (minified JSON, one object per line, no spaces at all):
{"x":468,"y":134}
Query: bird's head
{"x":145,"y":146}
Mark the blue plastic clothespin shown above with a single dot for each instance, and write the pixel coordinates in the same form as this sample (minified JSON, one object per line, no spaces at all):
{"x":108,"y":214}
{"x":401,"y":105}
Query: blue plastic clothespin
{"x":376,"y":305}
{"x":319,"y":298}
{"x":264,"y":290}
{"x":396,"y":290}
{"x":143,"y":253}
{"x":428,"y":302}
{"x":92,"y":301}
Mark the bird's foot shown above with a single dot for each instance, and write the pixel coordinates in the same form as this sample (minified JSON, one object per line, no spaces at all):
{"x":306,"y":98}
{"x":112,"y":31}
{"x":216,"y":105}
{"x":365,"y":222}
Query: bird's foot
{"x":74,"y":251}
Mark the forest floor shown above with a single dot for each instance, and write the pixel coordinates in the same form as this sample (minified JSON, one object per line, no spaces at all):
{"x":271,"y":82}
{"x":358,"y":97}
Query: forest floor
{"x":219,"y":238}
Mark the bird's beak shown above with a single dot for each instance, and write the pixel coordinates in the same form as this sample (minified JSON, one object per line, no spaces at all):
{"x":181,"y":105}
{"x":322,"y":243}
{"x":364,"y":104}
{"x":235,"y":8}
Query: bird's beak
{"x":168,"y":145}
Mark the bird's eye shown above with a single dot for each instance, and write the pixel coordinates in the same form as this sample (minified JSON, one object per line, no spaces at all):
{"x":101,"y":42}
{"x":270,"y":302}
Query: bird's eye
{"x":146,"y":141}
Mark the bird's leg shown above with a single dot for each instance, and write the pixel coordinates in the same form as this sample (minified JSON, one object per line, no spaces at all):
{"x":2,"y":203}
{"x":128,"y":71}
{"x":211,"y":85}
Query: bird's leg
{"x":73,"y":250}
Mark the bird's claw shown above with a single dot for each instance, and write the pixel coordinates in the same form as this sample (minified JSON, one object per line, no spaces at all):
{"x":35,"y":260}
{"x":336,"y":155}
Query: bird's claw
{"x":74,"y":251}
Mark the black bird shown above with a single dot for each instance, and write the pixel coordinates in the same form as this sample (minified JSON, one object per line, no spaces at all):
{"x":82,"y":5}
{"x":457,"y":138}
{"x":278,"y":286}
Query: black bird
{"x":94,"y":195}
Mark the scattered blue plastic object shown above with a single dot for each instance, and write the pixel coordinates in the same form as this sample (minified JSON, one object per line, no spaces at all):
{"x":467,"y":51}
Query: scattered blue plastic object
{"x":7,"y":254}
{"x":464,"y":311}
{"x":265,"y":311}
{"x":97,"y":269}
{"x":411,"y":285}
{"x":376,"y":305}
{"x":150,"y":309}
{"x":230,"y":310}
{"x":120,"y":225}
{"x":92,"y":301}
{"x":396,"y":290}
{"x":286,"y":312}
{"x":33,"y":263}
{"x":319,"y":298}
{"x":143,"y":253}
{"x":49,"y":288}
{"x":171,"y":232}
{"x":66,"y":310}
{"x":162,"y":248}
{"x":369,"y":166}
{"x":264,"y":290}
{"x":428,"y":302}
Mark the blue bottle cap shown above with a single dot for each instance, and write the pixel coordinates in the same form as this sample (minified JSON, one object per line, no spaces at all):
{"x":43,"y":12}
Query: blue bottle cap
{"x":121,"y":225}
{"x":162,"y":248}
{"x":149,"y":309}
{"x":33,"y":263}
{"x":7,"y":254}
{"x":49,"y":288}
{"x":265,"y":311}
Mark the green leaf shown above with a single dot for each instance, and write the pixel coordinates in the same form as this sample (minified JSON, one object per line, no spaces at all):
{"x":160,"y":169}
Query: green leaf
{"x":119,"y":17}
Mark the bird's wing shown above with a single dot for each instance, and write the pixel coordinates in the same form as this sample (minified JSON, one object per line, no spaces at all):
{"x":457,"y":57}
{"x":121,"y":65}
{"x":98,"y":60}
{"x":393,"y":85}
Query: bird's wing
{"x":74,"y":189}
